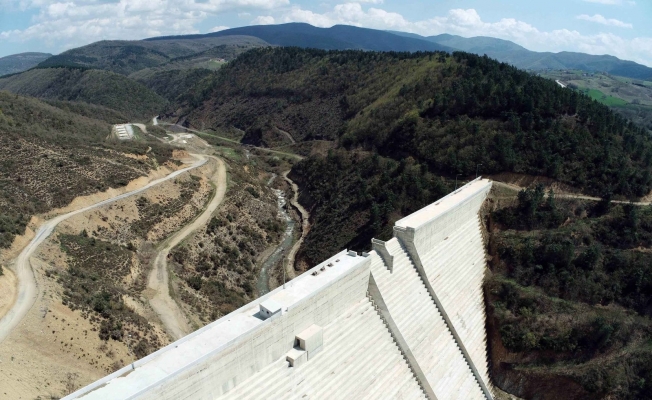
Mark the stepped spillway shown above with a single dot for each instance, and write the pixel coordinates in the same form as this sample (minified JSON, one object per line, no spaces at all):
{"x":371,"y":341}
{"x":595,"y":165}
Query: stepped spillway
{"x":422,"y":326}
{"x":405,"y":321}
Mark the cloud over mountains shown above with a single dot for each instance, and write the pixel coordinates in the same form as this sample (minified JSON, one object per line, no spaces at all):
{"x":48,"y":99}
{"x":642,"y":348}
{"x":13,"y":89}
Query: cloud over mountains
{"x":72,"y":23}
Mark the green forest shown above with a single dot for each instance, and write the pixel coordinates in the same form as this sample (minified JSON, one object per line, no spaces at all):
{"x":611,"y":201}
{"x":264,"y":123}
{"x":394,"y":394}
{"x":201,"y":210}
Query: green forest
{"x":449,"y":112}
{"x":97,"y":87}
{"x":570,"y":294}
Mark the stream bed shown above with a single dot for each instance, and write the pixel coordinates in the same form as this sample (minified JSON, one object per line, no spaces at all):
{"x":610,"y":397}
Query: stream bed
{"x":262,"y":286}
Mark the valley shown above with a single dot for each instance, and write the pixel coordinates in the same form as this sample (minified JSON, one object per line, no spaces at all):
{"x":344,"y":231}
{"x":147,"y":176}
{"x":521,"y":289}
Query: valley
{"x":121,"y":232}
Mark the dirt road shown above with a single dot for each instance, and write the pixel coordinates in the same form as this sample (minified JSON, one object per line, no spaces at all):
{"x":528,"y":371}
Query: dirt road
{"x":305,"y":226}
{"x":173,"y":318}
{"x":571,"y":196}
{"x":27,"y":290}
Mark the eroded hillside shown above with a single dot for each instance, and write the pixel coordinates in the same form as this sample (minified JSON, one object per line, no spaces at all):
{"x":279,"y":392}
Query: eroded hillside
{"x":92,"y":314}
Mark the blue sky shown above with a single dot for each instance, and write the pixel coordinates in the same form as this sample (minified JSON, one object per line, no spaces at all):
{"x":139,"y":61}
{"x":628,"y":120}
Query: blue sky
{"x":618,"y":27}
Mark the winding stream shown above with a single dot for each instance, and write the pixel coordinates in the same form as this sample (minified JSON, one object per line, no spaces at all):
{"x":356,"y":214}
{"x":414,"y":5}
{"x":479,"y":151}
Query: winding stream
{"x":263,"y":278}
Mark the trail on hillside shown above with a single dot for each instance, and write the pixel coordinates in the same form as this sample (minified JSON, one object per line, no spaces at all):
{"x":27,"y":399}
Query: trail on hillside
{"x":27,"y":288}
{"x":305,"y":226}
{"x":171,"y":315}
{"x":571,"y":196}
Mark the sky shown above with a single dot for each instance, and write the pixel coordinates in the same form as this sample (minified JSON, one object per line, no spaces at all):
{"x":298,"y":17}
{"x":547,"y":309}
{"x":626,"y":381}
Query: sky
{"x":617,"y":27}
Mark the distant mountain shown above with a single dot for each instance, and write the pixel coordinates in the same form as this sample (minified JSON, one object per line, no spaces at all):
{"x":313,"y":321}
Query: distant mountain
{"x":101,"y":88}
{"x":511,"y":53}
{"x":125,"y":57}
{"x":21,"y":62}
{"x":338,"y":37}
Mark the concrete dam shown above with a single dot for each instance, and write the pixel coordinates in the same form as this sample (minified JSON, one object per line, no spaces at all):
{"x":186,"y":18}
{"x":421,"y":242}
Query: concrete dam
{"x":404,"y":321}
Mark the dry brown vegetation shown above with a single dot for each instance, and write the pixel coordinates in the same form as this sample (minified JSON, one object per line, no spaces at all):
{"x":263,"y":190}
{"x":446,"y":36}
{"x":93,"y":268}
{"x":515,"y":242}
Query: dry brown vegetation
{"x":218,"y":267}
{"x":52,"y":156}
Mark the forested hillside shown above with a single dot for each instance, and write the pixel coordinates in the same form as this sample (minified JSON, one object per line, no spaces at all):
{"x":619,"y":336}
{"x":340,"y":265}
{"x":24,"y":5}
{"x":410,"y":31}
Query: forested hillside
{"x":420,"y":116}
{"x":52,"y":155}
{"x":20,"y":62}
{"x":570,"y":298}
{"x":175,"y":77}
{"x":450,"y":112}
{"x":520,"y":57}
{"x":125,"y":57}
{"x":337,"y":37}
{"x":101,"y":88}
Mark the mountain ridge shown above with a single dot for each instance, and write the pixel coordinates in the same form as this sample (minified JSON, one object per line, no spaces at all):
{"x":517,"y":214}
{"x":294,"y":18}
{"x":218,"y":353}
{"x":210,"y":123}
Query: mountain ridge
{"x":337,"y":37}
{"x":15,"y":63}
{"x":520,"y":57}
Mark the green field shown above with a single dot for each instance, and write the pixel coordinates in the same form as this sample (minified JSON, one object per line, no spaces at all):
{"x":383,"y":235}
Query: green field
{"x":605,"y":99}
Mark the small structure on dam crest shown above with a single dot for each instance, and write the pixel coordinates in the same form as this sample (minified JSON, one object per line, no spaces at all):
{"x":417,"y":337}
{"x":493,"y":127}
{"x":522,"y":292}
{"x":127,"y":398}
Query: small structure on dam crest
{"x":405,"y":321}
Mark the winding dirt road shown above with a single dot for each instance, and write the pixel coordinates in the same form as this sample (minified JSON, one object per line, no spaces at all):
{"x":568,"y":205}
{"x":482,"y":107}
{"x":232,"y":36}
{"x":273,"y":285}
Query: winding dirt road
{"x":27,"y":288}
{"x":173,"y":318}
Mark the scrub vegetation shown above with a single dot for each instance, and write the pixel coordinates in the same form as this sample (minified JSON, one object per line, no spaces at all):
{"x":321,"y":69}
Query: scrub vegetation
{"x":53,"y":155}
{"x":571,"y":295}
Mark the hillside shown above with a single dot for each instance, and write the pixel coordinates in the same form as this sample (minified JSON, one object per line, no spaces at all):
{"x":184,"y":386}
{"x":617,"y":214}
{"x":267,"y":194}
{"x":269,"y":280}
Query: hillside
{"x":101,"y":88}
{"x":21,"y":62}
{"x":631,"y":98}
{"x":338,"y":37}
{"x":520,"y":57}
{"x":125,"y":57}
{"x":175,"y":77}
{"x":56,"y":155}
{"x":449,"y":112}
{"x":570,"y":298}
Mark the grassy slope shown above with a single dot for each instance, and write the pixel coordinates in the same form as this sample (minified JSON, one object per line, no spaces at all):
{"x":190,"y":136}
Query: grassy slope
{"x":611,"y":101}
{"x":53,"y":155}
{"x":96,"y":87}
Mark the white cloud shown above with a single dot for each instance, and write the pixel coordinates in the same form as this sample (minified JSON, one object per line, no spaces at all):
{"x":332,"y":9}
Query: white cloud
{"x":77,"y":22}
{"x":605,"y":21}
{"x":263,"y":20}
{"x":349,"y":14}
{"x":612,"y":2}
{"x":608,"y":2}
{"x":219,"y":28}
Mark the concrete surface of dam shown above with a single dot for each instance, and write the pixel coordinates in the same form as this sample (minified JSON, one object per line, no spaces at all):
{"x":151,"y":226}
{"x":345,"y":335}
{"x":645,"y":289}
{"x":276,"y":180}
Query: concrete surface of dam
{"x":404,"y":321}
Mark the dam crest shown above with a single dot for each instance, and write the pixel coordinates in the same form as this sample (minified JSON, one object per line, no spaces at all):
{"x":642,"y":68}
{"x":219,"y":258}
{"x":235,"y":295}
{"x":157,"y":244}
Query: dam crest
{"x":404,"y":321}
